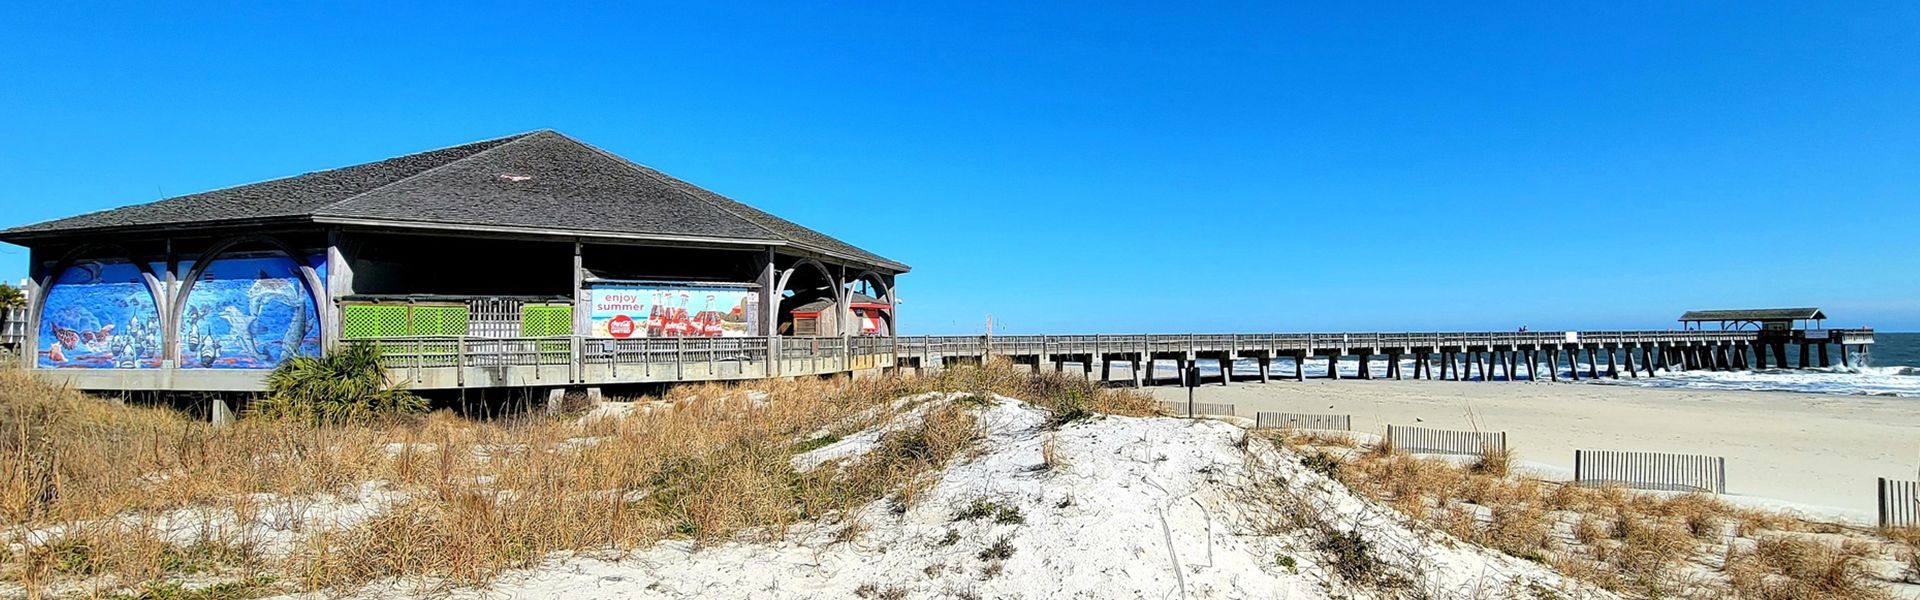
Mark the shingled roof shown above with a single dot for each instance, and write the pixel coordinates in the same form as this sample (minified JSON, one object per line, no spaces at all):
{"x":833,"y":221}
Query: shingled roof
{"x":541,"y":181}
{"x":1754,"y":314}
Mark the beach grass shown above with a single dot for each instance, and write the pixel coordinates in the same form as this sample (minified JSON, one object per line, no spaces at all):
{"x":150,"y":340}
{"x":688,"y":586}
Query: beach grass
{"x":1640,"y":545}
{"x":102,"y":498}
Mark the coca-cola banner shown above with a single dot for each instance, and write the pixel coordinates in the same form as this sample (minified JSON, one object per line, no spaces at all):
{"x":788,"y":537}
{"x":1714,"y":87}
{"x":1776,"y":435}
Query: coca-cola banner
{"x":652,"y":311}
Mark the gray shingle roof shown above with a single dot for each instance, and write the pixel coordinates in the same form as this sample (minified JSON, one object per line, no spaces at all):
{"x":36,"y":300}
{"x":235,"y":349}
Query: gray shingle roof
{"x":541,"y":180}
{"x":1754,"y":314}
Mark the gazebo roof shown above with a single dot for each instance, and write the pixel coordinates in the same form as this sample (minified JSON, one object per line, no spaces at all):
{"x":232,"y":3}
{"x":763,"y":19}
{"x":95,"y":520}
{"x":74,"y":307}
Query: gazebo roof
{"x":1753,"y":314}
{"x":540,"y":182}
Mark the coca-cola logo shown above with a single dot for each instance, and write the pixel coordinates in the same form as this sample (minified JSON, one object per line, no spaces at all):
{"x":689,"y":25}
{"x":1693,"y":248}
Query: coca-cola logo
{"x":621,"y":326}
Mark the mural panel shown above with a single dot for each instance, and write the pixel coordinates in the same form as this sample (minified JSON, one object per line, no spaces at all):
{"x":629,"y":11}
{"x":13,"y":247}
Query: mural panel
{"x":636,"y":311}
{"x":248,"y":313}
{"x":99,"y":315}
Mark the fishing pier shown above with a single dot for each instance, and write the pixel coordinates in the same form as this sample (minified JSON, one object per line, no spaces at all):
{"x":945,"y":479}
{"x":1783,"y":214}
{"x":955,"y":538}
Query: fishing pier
{"x":1485,"y":356}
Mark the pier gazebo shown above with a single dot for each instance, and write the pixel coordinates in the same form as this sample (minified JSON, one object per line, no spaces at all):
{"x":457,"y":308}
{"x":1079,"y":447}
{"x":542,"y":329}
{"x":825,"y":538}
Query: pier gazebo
{"x":531,"y":260}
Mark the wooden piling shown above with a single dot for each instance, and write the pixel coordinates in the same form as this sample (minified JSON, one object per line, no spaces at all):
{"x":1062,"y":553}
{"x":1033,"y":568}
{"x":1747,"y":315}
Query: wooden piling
{"x":1333,"y":366}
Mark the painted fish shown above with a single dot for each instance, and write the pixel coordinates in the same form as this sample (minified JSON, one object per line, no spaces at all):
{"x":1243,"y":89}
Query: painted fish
{"x":239,"y":326}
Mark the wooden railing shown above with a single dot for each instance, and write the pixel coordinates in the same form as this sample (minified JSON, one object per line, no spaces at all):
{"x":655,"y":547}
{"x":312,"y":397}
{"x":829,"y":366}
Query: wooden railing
{"x":455,"y":361}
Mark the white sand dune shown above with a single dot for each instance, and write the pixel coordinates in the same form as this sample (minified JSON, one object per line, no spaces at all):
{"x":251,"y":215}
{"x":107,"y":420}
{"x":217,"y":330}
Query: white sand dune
{"x":1136,"y":508}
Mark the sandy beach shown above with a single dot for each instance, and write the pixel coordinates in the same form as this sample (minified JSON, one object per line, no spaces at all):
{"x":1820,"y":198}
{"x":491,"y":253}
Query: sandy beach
{"x":1812,"y":449}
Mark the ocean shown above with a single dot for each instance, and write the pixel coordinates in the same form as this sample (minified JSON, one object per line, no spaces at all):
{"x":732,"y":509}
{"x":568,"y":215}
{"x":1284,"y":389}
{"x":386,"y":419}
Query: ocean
{"x":1891,"y":368}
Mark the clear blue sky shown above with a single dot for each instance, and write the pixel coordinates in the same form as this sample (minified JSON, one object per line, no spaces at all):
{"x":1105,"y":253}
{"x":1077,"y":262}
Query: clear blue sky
{"x":1093,"y":167}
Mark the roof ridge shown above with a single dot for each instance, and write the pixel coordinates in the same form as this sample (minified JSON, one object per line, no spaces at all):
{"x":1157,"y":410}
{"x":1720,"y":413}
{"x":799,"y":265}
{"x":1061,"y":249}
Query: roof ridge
{"x":656,"y":175}
{"x":511,"y":140}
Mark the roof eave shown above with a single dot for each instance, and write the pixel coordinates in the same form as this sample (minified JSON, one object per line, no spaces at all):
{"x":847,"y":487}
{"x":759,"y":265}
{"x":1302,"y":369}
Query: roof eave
{"x":23,"y":236}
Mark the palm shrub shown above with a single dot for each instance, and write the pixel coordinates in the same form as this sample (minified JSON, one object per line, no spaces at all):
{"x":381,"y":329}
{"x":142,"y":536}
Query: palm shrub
{"x":346,"y":385}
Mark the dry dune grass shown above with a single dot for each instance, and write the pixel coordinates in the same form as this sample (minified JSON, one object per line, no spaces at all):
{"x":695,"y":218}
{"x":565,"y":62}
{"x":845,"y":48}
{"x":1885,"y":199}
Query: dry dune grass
{"x":1637,"y":544}
{"x":93,"y":493}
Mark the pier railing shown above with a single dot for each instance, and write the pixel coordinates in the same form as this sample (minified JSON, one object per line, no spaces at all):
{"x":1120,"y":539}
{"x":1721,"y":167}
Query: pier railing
{"x":932,"y":347}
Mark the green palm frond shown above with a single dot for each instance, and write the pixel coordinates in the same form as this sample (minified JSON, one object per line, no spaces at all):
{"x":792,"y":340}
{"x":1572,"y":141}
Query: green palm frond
{"x":347,"y":385}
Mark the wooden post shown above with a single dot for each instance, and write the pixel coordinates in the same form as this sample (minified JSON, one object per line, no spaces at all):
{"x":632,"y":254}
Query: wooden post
{"x":1613,"y":370}
{"x":1226,"y":369}
{"x":1266,"y":367}
{"x":1843,"y":355}
{"x":1300,"y":366}
{"x":1804,"y":363}
{"x":1824,"y":360}
{"x":1780,"y":354}
{"x":1553,"y":364}
{"x":1366,"y":365}
{"x":1141,"y":369}
{"x":1333,"y":366}
{"x":1593,"y":362}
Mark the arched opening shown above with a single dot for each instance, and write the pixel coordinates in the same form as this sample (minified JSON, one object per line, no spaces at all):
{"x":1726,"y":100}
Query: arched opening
{"x":247,"y":304}
{"x":805,"y":297}
{"x":99,"y":313}
{"x":871,"y":303}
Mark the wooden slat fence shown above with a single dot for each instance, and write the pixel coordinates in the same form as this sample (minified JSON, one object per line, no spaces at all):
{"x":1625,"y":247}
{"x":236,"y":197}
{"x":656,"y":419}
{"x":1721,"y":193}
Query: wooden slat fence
{"x":1199,"y":408}
{"x":1280,"y":420}
{"x":1899,"y":503}
{"x":1651,"y":470}
{"x":1421,"y":440}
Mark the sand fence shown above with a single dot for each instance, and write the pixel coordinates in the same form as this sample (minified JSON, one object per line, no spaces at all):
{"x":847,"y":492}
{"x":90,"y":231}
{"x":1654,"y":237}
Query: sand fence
{"x":1179,"y":409}
{"x":1651,"y":470}
{"x":1899,"y":503}
{"x":1421,"y":440}
{"x":1284,"y":420}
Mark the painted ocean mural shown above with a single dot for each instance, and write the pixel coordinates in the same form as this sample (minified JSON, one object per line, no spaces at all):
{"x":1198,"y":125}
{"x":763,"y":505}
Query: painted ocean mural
{"x":248,"y":313}
{"x":99,"y":315}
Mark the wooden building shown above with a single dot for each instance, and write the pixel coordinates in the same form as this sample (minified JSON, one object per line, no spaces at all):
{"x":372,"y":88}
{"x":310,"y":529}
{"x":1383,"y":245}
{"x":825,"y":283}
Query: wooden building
{"x":535,"y":236}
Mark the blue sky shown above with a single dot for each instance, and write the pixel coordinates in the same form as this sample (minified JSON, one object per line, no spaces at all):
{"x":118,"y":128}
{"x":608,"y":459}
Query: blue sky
{"x":1091,"y":167}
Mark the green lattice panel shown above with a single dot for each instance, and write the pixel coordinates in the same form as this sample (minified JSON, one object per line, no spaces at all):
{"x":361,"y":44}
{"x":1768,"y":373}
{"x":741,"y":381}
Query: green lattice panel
{"x":373,"y":320}
{"x":546,"y":319}
{"x":439,"y":319}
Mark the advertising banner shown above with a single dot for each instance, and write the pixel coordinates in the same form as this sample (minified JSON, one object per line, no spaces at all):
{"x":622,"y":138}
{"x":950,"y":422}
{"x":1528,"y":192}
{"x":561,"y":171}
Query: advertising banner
{"x":653,"y":311}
